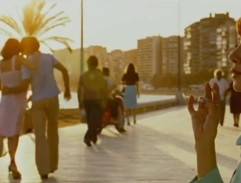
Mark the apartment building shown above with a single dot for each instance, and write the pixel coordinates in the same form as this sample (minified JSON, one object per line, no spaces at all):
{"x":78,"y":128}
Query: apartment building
{"x":172,"y":55}
{"x":208,"y":42}
{"x":149,"y":57}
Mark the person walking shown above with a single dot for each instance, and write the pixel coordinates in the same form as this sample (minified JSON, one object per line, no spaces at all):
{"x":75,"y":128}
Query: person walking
{"x":12,"y":106}
{"x":234,"y":104}
{"x":91,"y":93}
{"x":223,"y":85}
{"x":45,"y":103}
{"x":130,"y":79}
{"x":205,"y":120}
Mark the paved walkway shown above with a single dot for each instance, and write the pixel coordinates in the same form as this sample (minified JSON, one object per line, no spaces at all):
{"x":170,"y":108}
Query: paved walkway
{"x":158,"y":149}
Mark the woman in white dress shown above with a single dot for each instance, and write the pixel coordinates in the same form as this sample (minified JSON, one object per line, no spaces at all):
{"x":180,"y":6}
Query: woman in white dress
{"x":12,"y":106}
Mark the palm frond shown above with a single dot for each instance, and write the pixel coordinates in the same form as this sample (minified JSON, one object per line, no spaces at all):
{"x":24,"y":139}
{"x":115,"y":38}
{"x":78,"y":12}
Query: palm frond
{"x":6,"y":33}
{"x":40,"y":14}
{"x":37,"y":16}
{"x":45,"y":44}
{"x":36,"y":19}
{"x":62,"y":40}
{"x":10,"y":22}
{"x":46,"y":29}
{"x":56,"y":20}
{"x":28,"y":18}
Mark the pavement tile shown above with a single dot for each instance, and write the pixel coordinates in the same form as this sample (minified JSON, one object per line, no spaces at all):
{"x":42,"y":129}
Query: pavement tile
{"x":159,"y":148}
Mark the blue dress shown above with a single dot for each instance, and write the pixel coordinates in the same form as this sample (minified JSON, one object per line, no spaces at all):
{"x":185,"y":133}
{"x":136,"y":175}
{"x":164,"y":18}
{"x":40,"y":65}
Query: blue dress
{"x":130,"y":99}
{"x":130,"y":93}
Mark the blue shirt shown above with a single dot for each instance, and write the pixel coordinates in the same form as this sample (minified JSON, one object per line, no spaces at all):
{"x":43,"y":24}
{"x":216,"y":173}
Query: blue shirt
{"x":42,"y":79}
{"x":214,"y":176}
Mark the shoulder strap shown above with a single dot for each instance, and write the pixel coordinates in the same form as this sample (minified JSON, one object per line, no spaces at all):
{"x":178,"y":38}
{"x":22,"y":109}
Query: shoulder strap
{"x":13,"y":63}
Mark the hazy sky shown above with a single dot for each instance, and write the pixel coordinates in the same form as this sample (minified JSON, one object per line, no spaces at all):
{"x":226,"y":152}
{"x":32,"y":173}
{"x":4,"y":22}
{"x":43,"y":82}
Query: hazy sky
{"x":71,"y":9}
{"x":118,"y":24}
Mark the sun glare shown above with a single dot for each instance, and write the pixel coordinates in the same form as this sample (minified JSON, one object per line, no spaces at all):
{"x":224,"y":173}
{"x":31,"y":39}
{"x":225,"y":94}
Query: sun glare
{"x":70,"y":29}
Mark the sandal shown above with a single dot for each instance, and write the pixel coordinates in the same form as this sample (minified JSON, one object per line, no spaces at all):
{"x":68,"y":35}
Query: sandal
{"x":13,"y":168}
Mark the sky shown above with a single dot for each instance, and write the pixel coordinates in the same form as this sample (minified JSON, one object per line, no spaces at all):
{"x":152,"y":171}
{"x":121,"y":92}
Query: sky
{"x":118,"y":24}
{"x":71,"y":9}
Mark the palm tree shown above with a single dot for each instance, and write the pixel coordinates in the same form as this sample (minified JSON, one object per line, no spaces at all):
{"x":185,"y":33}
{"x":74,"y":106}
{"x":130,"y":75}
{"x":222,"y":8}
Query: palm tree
{"x":37,"y":18}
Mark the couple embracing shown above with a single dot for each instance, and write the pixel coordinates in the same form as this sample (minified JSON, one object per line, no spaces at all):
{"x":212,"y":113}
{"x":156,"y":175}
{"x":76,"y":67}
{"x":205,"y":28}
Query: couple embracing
{"x":16,"y":74}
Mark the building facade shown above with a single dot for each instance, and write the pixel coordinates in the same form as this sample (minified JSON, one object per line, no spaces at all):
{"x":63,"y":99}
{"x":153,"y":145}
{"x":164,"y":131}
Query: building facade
{"x":208,"y":42}
{"x":172,"y":55}
{"x":149,"y":57}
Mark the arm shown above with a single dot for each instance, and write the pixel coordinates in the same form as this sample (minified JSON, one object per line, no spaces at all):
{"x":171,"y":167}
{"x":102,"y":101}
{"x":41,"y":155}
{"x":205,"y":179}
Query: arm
{"x":79,"y":93}
{"x":137,"y":84}
{"x":65,"y":74}
{"x":137,"y":89}
{"x":19,"y":89}
{"x":32,"y":65}
{"x":205,"y":122}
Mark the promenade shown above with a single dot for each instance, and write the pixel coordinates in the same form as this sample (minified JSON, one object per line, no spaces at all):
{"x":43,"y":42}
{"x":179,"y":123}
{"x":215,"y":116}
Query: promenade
{"x":158,"y":149}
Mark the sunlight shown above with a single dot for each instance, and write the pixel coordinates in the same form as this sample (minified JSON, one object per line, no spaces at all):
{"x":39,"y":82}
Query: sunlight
{"x":70,"y":28}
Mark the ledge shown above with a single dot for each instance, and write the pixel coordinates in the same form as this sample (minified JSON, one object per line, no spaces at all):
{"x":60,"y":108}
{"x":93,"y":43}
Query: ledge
{"x":152,"y":106}
{"x":73,"y":113}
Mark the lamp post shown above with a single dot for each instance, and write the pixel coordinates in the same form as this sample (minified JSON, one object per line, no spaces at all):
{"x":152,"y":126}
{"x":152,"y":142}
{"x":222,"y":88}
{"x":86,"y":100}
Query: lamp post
{"x":179,"y":49}
{"x":179,"y":66}
{"x":82,"y":38}
{"x":179,"y":95}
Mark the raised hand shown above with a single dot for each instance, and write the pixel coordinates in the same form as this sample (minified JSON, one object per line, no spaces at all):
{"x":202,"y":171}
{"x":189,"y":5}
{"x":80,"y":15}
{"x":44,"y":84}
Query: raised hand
{"x":204,"y":123}
{"x":206,"y":117}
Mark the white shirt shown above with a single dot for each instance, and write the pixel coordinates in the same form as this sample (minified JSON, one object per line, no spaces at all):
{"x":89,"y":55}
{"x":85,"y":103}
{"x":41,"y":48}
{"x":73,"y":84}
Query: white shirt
{"x":222,"y":84}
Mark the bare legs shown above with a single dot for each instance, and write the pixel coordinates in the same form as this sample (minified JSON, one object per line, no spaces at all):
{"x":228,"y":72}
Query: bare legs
{"x":1,"y":146}
{"x":12,"y":147}
{"x":236,"y":119}
{"x":130,"y":112}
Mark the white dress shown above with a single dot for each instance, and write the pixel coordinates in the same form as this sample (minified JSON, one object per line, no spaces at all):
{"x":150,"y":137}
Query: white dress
{"x":12,"y":106}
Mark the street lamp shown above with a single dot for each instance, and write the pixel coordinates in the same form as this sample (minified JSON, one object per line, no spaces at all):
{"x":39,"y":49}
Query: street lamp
{"x":82,"y":38}
{"x":179,"y":95}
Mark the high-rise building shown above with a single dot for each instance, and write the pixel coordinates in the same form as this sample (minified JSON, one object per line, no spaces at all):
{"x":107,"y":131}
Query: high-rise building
{"x":149,"y":57}
{"x":172,"y":51}
{"x":208,"y":42}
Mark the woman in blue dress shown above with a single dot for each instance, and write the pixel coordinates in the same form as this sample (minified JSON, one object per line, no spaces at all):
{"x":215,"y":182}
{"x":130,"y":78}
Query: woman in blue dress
{"x":130,"y":79}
